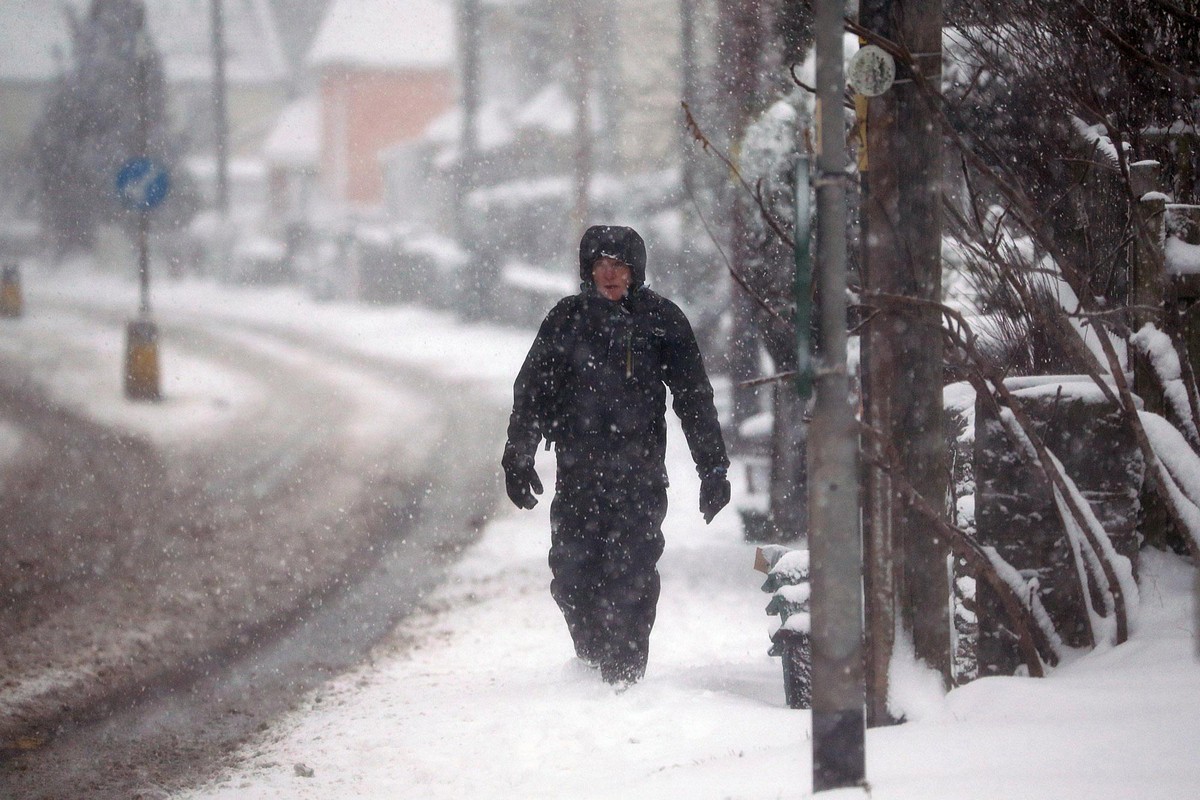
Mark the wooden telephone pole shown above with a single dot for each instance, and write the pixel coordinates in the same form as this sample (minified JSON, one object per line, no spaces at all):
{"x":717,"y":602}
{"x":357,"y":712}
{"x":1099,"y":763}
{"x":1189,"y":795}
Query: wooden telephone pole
{"x":906,"y":561}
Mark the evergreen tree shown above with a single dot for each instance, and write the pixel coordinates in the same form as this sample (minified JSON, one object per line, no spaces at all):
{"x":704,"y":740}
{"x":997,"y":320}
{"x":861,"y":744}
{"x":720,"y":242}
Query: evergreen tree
{"x":92,"y":123}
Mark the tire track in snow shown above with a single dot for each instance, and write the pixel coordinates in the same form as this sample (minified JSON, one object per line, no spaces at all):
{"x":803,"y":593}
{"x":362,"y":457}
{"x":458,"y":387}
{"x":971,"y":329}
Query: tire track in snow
{"x":454,"y":508}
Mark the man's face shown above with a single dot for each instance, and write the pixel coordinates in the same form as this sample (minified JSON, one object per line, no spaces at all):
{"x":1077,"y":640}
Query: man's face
{"x":612,"y":277}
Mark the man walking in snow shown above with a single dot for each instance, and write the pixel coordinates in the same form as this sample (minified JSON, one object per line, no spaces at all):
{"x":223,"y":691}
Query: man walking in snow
{"x":594,"y":384}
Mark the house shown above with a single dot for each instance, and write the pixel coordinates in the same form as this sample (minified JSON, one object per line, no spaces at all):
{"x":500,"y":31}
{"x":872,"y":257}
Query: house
{"x":384,"y":71}
{"x":37,"y":50}
{"x":292,"y":153}
{"x":633,"y":51}
{"x":525,"y":177}
{"x":648,"y":123}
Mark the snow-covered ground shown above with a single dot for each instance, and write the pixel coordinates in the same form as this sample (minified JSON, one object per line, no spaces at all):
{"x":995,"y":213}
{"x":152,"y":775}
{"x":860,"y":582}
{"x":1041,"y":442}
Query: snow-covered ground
{"x":479,"y":695}
{"x":10,"y":445}
{"x":10,"y":441}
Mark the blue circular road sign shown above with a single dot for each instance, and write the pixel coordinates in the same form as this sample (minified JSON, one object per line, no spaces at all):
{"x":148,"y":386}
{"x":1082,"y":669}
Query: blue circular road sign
{"x":142,"y":183}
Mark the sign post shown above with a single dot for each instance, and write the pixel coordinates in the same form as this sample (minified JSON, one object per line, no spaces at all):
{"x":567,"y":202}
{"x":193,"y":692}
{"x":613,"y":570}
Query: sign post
{"x":10,"y":292}
{"x":142,"y":184}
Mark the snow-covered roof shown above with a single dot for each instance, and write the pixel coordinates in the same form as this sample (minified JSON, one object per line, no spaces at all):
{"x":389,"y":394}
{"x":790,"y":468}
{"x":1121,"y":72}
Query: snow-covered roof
{"x":205,"y":168}
{"x":295,"y":141}
{"x":390,"y":34}
{"x":37,"y":39}
{"x":493,"y":127}
{"x":551,"y":109}
{"x":1182,"y":258}
{"x":537,"y":280}
{"x":182,"y":29}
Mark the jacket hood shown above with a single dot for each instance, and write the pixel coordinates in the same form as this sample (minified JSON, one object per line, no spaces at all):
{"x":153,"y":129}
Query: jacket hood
{"x":614,"y":241}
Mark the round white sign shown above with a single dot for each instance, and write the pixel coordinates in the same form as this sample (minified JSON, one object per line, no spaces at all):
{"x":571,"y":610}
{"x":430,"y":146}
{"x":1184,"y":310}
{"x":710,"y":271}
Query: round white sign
{"x":872,"y":71}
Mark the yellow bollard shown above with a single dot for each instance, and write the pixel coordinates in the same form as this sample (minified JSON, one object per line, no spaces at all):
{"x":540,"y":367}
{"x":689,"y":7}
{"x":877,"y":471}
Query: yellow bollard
{"x":141,"y":360}
{"x":11,"y":304}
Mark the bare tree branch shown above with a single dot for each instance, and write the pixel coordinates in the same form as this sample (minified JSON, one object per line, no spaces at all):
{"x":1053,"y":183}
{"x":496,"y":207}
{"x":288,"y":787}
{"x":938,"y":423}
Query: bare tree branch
{"x":1131,"y":52}
{"x":694,"y":128}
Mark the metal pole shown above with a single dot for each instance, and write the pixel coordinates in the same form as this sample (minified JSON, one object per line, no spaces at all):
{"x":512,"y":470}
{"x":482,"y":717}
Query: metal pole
{"x":835,"y":543}
{"x":143,"y":263}
{"x":583,"y":126}
{"x":470,"y":13}
{"x":483,"y":278}
{"x":141,"y":334}
{"x":220,"y":114}
{"x":879,"y":546}
{"x":143,"y":91}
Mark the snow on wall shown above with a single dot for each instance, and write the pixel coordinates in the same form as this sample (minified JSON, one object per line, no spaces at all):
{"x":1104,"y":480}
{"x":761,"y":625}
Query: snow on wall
{"x":551,"y":110}
{"x":538,"y":281}
{"x":1182,"y":258}
{"x":493,"y":129}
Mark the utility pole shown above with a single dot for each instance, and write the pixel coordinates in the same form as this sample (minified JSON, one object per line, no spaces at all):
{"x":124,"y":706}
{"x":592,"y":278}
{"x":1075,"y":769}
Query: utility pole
{"x":468,"y":142}
{"x":688,"y":282}
{"x":220,"y":114}
{"x":835,"y":543}
{"x":224,"y":244}
{"x":907,"y":562}
{"x":483,"y":270}
{"x":582,"y":41}
{"x":142,"y":58}
{"x":741,"y":41}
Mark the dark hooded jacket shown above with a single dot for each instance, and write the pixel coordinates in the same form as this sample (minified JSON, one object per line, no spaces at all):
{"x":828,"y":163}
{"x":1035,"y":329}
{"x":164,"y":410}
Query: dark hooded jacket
{"x":595,"y":380}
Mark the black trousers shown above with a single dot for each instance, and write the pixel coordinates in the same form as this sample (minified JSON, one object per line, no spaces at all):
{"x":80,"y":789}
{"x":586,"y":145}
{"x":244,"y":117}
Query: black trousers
{"x":606,"y":539}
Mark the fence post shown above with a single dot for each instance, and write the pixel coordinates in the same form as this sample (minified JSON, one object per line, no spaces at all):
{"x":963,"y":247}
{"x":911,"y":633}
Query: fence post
{"x":1149,"y":278}
{"x":1183,"y":222}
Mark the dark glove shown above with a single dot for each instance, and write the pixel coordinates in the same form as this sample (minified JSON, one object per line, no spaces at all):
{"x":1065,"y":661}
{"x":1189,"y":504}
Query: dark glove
{"x":521,"y":481}
{"x":714,"y":495}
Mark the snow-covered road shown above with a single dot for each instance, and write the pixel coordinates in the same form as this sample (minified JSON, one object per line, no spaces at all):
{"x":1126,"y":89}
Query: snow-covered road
{"x":285,"y":463}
